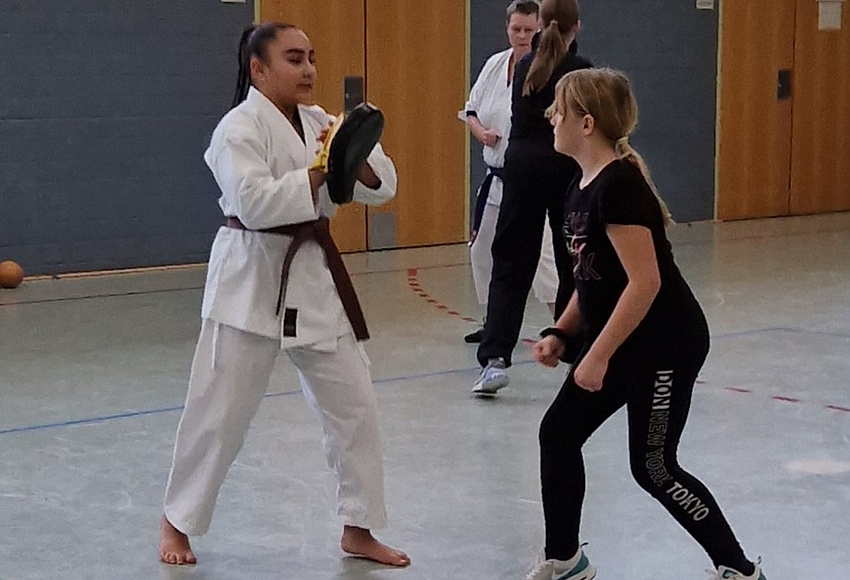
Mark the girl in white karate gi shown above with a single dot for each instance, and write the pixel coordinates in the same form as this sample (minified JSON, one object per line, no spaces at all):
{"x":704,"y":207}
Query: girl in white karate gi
{"x":259,"y":154}
{"x":488,"y":115}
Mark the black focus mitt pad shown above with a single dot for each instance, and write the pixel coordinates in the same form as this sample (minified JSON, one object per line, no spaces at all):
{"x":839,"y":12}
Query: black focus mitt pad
{"x":353,"y":142}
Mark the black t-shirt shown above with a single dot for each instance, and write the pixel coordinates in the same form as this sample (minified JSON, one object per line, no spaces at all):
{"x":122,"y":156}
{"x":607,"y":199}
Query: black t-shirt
{"x":620,"y":195}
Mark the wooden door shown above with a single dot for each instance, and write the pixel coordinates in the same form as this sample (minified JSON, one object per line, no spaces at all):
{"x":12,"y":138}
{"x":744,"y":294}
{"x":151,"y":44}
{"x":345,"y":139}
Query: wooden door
{"x":415,"y":61}
{"x":820,"y":167}
{"x":754,"y":158}
{"x":337,"y":32}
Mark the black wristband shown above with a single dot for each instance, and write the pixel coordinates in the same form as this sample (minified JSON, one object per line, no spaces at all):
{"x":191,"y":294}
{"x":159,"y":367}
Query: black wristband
{"x":558,"y":333}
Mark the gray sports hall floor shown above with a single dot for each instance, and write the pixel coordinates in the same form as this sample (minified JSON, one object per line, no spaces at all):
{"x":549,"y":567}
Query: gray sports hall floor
{"x":93,"y":373}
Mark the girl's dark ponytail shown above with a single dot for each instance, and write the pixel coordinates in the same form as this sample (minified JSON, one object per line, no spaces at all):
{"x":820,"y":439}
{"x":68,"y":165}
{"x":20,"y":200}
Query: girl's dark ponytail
{"x":550,"y":51}
{"x":558,"y":18}
{"x":243,"y":81}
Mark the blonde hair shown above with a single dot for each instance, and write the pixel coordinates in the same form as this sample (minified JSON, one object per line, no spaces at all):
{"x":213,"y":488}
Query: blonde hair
{"x":606,"y":95}
{"x":557,"y":18}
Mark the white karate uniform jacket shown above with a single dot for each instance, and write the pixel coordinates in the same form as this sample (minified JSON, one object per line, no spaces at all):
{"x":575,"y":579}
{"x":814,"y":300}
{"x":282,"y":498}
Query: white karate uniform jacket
{"x":490,"y":98}
{"x":260,"y":165}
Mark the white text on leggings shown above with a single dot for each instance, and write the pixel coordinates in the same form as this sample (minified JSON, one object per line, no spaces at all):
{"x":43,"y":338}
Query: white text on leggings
{"x":657,"y":435}
{"x":689,"y":501}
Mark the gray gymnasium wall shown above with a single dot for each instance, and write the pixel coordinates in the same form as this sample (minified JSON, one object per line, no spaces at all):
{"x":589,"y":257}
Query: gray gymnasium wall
{"x":105,"y":110}
{"x":669,"y":50}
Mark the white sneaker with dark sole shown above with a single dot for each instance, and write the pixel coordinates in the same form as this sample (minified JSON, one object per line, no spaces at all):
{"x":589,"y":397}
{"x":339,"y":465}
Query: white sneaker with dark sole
{"x":578,"y":568}
{"x":492,"y":378}
{"x":724,"y":573}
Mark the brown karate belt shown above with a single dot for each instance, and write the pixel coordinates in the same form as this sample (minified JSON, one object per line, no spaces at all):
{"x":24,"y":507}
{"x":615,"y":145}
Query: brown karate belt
{"x":318,"y":230}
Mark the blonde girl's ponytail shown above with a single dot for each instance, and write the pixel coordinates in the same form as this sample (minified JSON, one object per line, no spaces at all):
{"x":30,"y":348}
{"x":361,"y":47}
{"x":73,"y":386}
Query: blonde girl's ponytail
{"x":606,"y":95}
{"x":626,"y":152}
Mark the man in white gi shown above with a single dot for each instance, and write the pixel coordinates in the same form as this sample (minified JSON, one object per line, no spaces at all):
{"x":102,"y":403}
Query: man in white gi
{"x":260,"y":155}
{"x":488,"y":115}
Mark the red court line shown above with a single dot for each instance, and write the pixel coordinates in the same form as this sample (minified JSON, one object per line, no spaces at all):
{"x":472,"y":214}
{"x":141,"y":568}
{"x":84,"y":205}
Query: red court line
{"x":785,"y":399}
{"x":413,"y":283}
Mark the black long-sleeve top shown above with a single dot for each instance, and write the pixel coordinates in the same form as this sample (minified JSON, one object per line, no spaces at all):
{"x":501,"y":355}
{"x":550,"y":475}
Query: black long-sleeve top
{"x":531,"y":133}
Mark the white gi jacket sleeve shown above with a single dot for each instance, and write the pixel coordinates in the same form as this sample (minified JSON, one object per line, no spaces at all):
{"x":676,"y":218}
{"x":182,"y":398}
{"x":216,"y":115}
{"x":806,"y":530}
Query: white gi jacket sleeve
{"x":473,"y":103}
{"x":385,"y":170}
{"x":490,"y":98}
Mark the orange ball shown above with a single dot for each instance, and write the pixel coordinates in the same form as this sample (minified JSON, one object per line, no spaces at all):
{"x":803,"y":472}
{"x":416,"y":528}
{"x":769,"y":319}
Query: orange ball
{"x":11,"y":274}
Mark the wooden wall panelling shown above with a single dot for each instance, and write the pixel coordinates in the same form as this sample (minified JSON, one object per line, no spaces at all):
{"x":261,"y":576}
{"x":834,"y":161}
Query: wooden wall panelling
{"x":754,"y":157}
{"x":820,"y":167}
{"x":415,"y":61}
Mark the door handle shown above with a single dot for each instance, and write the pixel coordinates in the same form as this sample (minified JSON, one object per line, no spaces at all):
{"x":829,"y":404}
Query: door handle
{"x":352,"y":92}
{"x":783,"y":84}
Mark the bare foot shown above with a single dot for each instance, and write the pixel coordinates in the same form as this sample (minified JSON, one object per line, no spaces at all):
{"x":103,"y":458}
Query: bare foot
{"x":174,"y":545}
{"x":361,"y":543}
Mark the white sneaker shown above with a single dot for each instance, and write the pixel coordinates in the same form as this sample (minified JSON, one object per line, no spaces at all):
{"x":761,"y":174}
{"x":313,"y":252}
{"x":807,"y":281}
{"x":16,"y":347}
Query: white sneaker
{"x":724,"y":573}
{"x":577,"y":568}
{"x":492,"y":378}
{"x":580,"y":570}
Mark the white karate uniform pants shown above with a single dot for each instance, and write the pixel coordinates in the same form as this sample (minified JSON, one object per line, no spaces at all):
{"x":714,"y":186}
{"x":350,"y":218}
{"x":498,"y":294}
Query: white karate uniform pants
{"x":545,"y":283}
{"x":230,"y":375}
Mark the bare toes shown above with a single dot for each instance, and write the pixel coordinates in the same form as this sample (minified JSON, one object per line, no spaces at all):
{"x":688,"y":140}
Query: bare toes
{"x":174,"y":545}
{"x":400,"y":559}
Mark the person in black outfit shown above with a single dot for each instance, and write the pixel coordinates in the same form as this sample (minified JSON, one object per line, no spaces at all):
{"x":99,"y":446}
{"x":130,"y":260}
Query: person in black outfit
{"x":645,"y":334}
{"x":535,"y":179}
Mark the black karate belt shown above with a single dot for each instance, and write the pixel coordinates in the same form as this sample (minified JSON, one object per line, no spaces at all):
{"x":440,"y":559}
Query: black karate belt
{"x":358,"y":134}
{"x":484,"y":194}
{"x":318,"y":230}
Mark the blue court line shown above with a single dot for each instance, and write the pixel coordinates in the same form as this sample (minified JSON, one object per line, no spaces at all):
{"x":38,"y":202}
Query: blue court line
{"x":89,"y":421}
{"x":94,"y":420}
{"x":105,"y":418}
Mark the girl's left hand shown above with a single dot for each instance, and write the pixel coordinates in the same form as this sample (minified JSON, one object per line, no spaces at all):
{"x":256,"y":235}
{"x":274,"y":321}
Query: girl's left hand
{"x":590,"y":372}
{"x":548,"y":350}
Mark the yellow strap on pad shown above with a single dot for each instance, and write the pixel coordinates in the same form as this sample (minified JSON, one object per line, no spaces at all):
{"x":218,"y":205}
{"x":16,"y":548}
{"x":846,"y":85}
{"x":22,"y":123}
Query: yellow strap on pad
{"x":321,"y":160}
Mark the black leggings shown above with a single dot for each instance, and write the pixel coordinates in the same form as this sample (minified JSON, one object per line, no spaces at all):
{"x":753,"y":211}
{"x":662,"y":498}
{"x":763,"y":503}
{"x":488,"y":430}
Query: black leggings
{"x":658,"y":398}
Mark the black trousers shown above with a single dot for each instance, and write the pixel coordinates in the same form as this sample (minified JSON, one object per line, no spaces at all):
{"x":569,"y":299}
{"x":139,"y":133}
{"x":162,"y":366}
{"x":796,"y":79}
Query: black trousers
{"x":656,"y":386}
{"x":528,"y":196}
